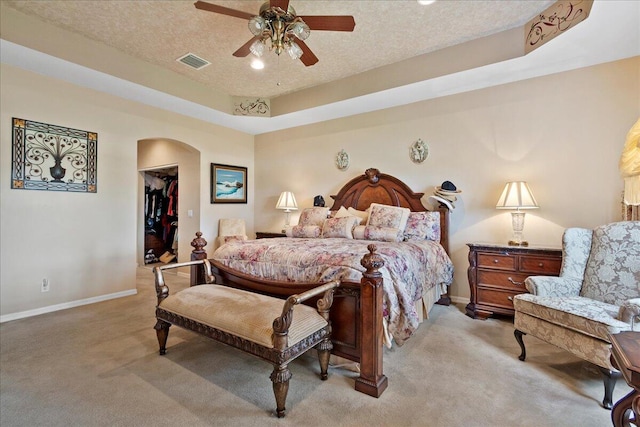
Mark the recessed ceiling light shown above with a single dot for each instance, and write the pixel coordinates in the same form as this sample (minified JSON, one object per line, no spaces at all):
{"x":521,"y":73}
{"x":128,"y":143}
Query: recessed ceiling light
{"x":257,"y":64}
{"x":426,"y":2}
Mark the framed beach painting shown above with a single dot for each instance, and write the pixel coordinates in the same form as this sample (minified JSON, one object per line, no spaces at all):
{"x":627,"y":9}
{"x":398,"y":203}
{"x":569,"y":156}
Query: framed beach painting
{"x":228,"y":184}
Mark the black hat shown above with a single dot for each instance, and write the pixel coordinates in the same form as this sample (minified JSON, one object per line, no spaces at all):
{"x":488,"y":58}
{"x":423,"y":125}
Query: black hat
{"x":448,"y":185}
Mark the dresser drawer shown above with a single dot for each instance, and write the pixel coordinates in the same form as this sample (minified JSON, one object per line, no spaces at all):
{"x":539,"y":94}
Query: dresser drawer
{"x":497,"y":261}
{"x":540,"y":265}
{"x":497,"y":297}
{"x":502,"y":279}
{"x":497,"y":272}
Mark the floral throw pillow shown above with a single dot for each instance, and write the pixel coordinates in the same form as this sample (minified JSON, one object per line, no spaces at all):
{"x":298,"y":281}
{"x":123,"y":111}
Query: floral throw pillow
{"x":423,"y":226}
{"x":313,"y":216}
{"x":374,"y":232}
{"x":308,"y":231}
{"x":388,"y":216}
{"x":340,"y":227}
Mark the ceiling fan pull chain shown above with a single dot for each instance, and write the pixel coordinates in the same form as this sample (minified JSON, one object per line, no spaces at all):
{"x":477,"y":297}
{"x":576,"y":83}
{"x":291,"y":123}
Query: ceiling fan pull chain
{"x":278,"y":71}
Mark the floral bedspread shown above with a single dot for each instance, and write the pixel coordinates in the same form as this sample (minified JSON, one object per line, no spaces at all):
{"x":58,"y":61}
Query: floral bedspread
{"x":410,"y":268}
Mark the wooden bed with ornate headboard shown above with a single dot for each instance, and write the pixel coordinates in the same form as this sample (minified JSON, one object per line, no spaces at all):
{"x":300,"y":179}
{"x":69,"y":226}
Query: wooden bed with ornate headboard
{"x":356,"y":314}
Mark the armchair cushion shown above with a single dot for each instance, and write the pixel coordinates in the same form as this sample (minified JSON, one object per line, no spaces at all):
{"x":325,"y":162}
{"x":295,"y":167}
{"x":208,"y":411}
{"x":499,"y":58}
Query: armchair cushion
{"x":584,"y":315}
{"x":612,"y":274}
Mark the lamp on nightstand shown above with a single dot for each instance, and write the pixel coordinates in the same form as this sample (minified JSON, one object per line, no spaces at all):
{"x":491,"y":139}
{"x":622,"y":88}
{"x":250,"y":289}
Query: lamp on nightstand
{"x":517,"y":195}
{"x":287,"y":201}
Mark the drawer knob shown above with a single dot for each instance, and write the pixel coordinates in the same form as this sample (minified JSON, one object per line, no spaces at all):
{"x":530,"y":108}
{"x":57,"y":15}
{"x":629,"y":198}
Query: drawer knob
{"x":495,"y":261}
{"x":541,"y":264}
{"x":514,"y":282}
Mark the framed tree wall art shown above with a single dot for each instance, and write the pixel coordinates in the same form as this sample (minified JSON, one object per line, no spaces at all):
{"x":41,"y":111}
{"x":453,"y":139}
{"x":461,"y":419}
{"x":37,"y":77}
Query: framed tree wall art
{"x":55,"y":158}
{"x":228,"y":184}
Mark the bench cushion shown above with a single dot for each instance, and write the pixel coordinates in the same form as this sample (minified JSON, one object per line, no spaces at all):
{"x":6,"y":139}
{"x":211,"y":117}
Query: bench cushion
{"x":244,"y":314}
{"x":590,"y":317}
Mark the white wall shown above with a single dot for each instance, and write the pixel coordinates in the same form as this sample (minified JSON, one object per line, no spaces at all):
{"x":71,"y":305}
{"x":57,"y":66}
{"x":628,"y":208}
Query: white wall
{"x":562,"y":133}
{"x":85,"y":244}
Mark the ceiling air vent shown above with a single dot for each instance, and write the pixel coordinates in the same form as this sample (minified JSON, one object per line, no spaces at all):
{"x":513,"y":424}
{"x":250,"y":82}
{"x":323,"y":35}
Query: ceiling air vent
{"x":193,"y":61}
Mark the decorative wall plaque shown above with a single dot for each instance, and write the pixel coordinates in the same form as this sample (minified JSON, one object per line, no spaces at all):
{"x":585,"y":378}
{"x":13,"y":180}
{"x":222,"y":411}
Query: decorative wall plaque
{"x":50,"y":157}
{"x":419,"y":151}
{"x":342,"y":160}
{"x":555,"y":20}
{"x":259,"y":107}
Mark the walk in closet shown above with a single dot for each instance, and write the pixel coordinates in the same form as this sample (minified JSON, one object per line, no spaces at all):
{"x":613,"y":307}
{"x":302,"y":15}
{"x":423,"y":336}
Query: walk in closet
{"x":161,"y":215}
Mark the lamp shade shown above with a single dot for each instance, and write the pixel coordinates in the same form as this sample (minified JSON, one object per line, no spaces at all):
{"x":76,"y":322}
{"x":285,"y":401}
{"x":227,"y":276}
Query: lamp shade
{"x":287,"y":201}
{"x":517,"y":195}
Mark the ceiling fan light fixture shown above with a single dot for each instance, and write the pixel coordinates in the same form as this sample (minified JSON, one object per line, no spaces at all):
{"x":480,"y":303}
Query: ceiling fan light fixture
{"x":294,"y":50}
{"x":300,"y":30}
{"x":257,"y":25}
{"x":257,"y":48}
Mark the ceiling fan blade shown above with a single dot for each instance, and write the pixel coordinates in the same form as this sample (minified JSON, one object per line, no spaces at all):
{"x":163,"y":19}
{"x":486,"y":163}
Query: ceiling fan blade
{"x":203,"y":5}
{"x":330,"y":23}
{"x":244,"y":49}
{"x":282,"y":4}
{"x":308,"y":58}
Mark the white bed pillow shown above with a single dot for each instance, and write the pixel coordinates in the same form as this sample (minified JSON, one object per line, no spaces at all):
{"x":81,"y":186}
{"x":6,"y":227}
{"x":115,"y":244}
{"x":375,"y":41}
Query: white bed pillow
{"x":423,"y":226}
{"x":340,"y":227}
{"x":364,"y":215}
{"x":388,"y":216}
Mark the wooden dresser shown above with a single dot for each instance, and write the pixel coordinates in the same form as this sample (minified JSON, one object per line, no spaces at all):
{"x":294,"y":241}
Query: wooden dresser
{"x":497,"y":273}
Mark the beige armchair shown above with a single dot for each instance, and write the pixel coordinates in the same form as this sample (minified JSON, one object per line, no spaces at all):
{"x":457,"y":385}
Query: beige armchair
{"x":230,"y":229}
{"x":597,"y":294}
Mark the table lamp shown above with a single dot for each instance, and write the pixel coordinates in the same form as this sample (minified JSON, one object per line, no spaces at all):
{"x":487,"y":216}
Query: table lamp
{"x":517,"y":195}
{"x":287,"y":201}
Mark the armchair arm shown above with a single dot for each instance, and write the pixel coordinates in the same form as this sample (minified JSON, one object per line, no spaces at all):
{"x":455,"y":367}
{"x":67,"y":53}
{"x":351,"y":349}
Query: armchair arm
{"x":551,"y":286}
{"x":630,"y":311}
{"x":162,"y":290}
{"x":281,"y":324}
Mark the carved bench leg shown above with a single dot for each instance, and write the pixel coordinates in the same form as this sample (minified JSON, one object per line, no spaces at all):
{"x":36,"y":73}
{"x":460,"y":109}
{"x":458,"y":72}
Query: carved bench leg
{"x":280,"y":378}
{"x":610,"y":378}
{"x":162,"y":331}
{"x":324,"y":352}
{"x":518,"y":334}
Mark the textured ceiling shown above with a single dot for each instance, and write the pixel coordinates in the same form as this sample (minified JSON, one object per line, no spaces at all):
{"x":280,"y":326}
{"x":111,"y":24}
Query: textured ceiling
{"x":386,"y":32}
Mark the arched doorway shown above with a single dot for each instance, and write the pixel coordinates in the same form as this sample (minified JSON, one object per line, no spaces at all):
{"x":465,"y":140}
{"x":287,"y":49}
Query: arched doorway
{"x":179,"y":163}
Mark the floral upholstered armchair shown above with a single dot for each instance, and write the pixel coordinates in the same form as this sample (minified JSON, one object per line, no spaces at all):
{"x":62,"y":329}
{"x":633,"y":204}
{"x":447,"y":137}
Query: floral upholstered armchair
{"x":231,"y":229}
{"x":597,"y":294}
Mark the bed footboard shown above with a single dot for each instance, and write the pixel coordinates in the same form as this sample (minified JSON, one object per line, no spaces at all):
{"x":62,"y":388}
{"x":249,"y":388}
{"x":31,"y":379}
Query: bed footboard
{"x":356,"y":313}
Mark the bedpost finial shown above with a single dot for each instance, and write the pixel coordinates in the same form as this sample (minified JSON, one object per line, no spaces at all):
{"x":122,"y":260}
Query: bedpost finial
{"x":372,"y":261}
{"x":198,"y":243}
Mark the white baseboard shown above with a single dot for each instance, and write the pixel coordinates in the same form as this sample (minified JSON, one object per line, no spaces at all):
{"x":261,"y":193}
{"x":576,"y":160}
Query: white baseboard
{"x":460,"y":300}
{"x":65,"y":305}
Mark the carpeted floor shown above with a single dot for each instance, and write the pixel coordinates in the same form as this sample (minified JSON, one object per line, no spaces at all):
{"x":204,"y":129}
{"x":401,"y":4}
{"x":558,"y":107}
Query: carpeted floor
{"x":98,"y":365}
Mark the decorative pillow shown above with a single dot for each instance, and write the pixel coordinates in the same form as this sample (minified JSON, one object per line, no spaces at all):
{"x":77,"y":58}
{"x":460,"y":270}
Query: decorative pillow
{"x":310,"y":231}
{"x":340,"y":227}
{"x":361,"y":214}
{"x":373,"y":232}
{"x":313,"y":216}
{"x":341,"y":213}
{"x":388,"y":216}
{"x":423,"y":226}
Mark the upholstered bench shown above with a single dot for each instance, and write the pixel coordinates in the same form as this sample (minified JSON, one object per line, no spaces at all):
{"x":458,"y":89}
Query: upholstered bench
{"x":272,"y":329}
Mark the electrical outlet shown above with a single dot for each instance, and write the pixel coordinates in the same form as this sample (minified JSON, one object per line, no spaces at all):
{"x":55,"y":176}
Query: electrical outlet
{"x":45,"y":285}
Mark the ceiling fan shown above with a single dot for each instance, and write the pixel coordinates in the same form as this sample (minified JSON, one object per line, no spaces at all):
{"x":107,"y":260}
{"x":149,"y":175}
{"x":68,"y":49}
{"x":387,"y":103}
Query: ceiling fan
{"x":278,"y":24}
